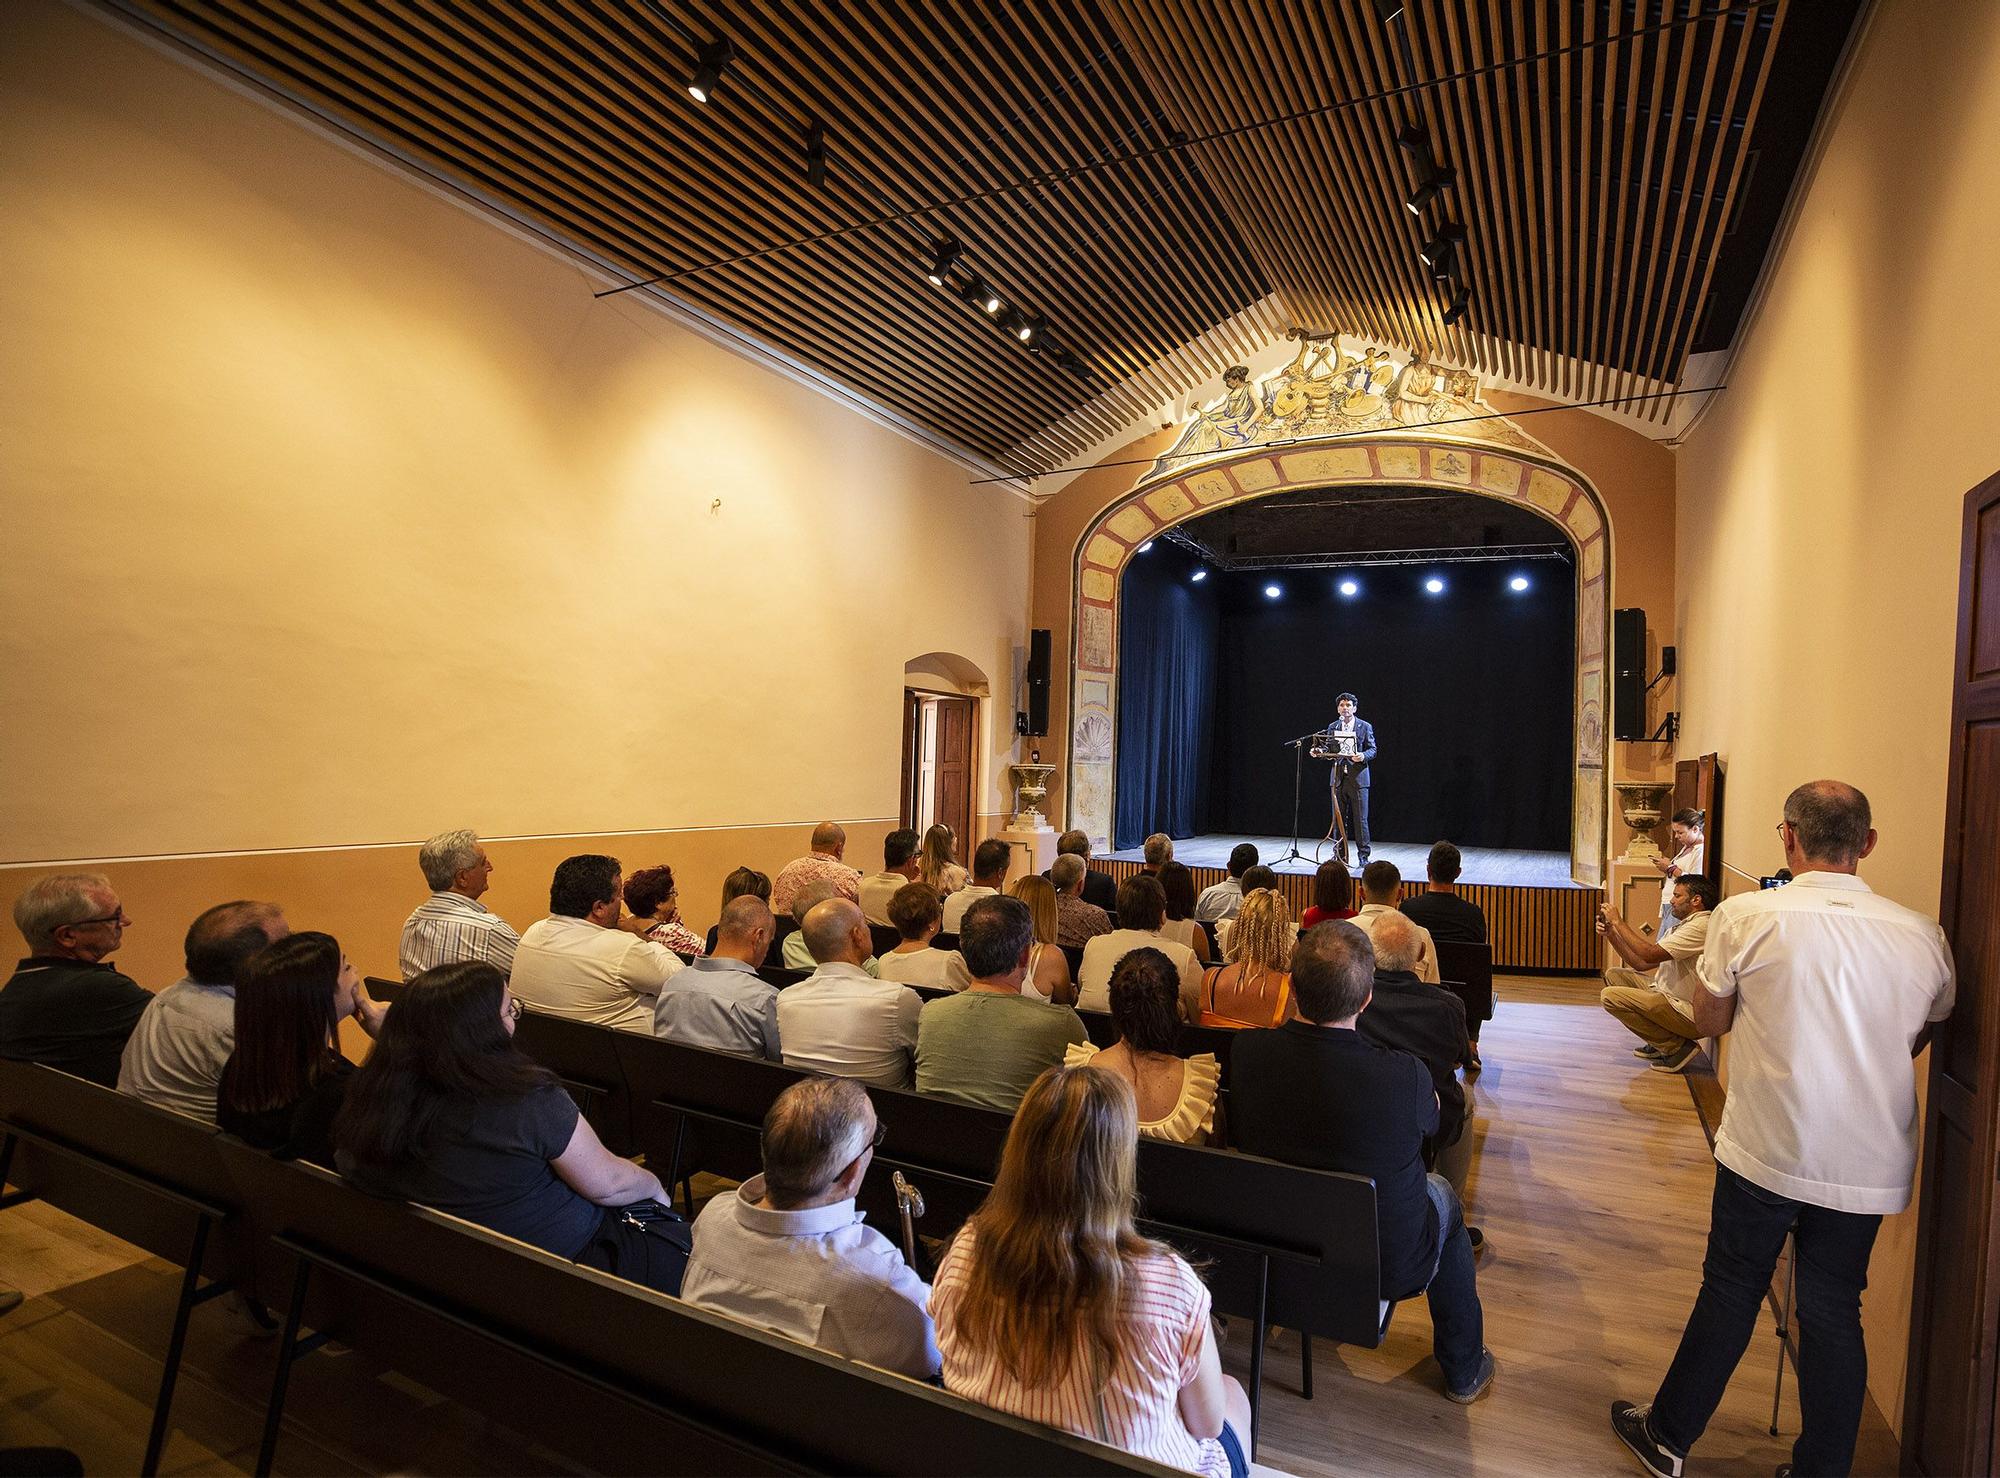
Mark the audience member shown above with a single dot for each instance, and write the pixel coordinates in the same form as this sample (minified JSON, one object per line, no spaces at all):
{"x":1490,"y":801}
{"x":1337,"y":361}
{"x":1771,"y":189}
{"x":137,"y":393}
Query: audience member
{"x":914,"y":912}
{"x":1440,"y":908}
{"x":794,"y":953}
{"x":841,"y":1020}
{"x":1827,"y":992}
{"x":1175,"y":1095}
{"x":986,"y":1044}
{"x":1258,"y":876}
{"x":1048,"y":977}
{"x":452,"y":924}
{"x":823,"y":864}
{"x":743,"y":882}
{"x":1221,"y":900}
{"x":1158,"y":852}
{"x":1100,"y":889}
{"x":1316,"y":1092}
{"x":1333,"y":895}
{"x":719,"y":1001}
{"x":285,"y":1076}
{"x":1051,"y":1306}
{"x":786,"y":1251}
{"x":578,"y":963}
{"x":1255,"y":987}
{"x":1380,"y":883}
{"x":175,"y":1056}
{"x":1658,"y":1007}
{"x":655,"y":906}
{"x":899,"y":866}
{"x":938,"y":863}
{"x":1689,"y":850}
{"x":1177,"y":888}
{"x":449,"y":1113}
{"x":1255,"y":879}
{"x":1077,"y":922}
{"x":1142,"y":909}
{"x":64,"y":1005}
{"x":1426,"y":1021}
{"x":989,"y":875}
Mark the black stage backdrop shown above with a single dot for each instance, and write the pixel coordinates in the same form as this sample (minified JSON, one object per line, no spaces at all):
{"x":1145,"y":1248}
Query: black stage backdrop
{"x":1470,"y":693}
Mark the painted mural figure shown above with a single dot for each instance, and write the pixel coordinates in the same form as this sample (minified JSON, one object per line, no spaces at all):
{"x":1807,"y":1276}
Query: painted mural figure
{"x":1231,"y":421}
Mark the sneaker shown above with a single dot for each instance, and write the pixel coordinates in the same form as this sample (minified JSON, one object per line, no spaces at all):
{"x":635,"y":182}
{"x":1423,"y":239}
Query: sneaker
{"x":1635,"y":1430}
{"x":1477,"y":1238}
{"x":1479,"y":1384}
{"x":1646,"y":1050}
{"x":1676,"y":1062}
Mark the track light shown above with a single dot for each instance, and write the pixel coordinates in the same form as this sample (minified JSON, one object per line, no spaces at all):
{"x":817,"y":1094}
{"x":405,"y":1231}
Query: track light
{"x":1414,"y":139}
{"x":1388,"y":12}
{"x":1438,"y":251}
{"x":711,"y":60}
{"x":816,"y":153}
{"x":1030,"y":329}
{"x":988,"y":300}
{"x":943,"y":254}
{"x":1461,"y":300}
{"x":1429,"y":188}
{"x":1198,"y":576}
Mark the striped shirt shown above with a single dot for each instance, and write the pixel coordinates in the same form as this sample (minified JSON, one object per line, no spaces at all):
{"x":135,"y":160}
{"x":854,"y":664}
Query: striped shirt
{"x":449,"y":927}
{"x":1135,"y":1405}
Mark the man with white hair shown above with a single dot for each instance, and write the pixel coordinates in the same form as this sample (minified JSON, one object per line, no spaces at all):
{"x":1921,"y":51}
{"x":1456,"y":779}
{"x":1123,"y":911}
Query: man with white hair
{"x":1159,"y":851}
{"x":1077,"y":920}
{"x":793,"y":954}
{"x":842,"y":1021}
{"x":1426,"y":1021}
{"x":64,"y":1005}
{"x":452,"y":925}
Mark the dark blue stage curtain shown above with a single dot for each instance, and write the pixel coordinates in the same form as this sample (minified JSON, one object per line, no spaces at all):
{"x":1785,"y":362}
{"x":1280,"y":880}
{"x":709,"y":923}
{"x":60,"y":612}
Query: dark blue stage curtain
{"x":1169,"y":638}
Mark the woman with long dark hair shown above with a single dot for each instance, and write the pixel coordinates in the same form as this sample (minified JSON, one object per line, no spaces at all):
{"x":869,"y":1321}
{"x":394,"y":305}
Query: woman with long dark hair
{"x":448,"y":1112}
{"x":1177,"y":882}
{"x":285,"y":1077}
{"x":1175,"y":1095}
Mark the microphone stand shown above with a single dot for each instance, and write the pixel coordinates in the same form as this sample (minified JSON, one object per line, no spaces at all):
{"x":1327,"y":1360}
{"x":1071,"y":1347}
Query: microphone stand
{"x":1298,"y":748}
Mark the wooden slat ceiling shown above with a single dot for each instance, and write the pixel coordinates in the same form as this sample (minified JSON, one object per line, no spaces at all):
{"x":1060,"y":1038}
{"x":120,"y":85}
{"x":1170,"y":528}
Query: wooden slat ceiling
{"x":1110,"y":165}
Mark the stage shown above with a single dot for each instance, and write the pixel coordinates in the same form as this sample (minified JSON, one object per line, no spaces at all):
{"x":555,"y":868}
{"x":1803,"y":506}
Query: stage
{"x":1490,"y":865}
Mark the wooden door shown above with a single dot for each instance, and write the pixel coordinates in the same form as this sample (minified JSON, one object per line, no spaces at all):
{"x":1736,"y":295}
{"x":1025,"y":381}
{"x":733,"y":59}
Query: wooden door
{"x":1698,"y":784}
{"x":1948,"y":1424}
{"x":913,"y":739}
{"x":952,"y":803}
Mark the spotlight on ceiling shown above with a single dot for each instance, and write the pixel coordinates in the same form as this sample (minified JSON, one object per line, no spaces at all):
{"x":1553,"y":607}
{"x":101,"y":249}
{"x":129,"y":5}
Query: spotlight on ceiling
{"x":1461,"y":300}
{"x":1413,"y":139}
{"x":1439,"y":250}
{"x":1272,"y":592}
{"x":711,"y":60}
{"x":1434,"y":184}
{"x":1434,"y":585}
{"x":988,"y":300}
{"x":1198,"y":576}
{"x":1350,"y":588}
{"x":943,"y":254}
{"x":1030,"y":329}
{"x":816,"y":154}
{"x":1518,"y":583}
{"x":1145,"y":546}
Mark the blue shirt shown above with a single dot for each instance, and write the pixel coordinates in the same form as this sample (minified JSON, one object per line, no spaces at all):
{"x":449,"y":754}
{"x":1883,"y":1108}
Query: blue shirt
{"x":721,"y":1004}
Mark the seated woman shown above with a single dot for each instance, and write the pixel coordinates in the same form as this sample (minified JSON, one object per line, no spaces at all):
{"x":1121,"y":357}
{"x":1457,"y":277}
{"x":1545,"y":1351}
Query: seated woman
{"x":937,"y":863}
{"x":285,"y":1077}
{"x":1178,"y":884}
{"x":449,"y":1113}
{"x":655,"y":904}
{"x":1255,"y":987}
{"x":1333,"y":895}
{"x":1175,"y":1095}
{"x":916,"y":911}
{"x":1048,"y":969}
{"x":743,"y":880}
{"x":1142,"y":910}
{"x":1051,"y":1306}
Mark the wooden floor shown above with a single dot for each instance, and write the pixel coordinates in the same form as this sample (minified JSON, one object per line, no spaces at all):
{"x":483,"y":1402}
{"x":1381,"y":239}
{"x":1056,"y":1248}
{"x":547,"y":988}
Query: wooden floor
{"x":1498,"y":866}
{"x":1591,"y":1180}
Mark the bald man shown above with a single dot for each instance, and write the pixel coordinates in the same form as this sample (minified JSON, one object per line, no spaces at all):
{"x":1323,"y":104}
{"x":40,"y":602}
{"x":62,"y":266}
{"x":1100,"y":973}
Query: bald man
{"x":841,"y":1021}
{"x":719,"y":1001}
{"x":824,"y":863}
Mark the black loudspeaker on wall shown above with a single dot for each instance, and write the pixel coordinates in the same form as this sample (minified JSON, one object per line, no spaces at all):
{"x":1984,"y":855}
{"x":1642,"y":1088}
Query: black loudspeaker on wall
{"x":1040,"y":653}
{"x":1628,"y":674}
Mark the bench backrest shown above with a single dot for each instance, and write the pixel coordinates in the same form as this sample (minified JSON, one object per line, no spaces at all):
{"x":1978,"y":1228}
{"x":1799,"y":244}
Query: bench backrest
{"x":1467,"y":970}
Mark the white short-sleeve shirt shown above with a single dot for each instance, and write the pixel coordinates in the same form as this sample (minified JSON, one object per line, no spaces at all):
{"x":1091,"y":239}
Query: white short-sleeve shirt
{"x":1833,"y":986}
{"x":1680,"y":972}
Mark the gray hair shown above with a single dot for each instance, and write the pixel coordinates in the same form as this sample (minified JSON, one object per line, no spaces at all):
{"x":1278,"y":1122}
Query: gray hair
{"x":813,"y":1131}
{"x":1396,"y":944}
{"x":810,"y":896}
{"x":1159,"y":849}
{"x":742,"y":917}
{"x":1830,"y":818}
{"x":1067,"y":871}
{"x":446,"y":855}
{"x":58,"y":899}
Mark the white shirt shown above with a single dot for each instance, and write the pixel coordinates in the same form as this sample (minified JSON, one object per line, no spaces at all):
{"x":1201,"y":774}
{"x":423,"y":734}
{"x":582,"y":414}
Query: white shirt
{"x":574,"y":968}
{"x":956,"y":905}
{"x":940,"y":969}
{"x":1220,"y":900}
{"x":844,"y":1022}
{"x":175,"y":1055}
{"x":1687,"y":864}
{"x":1102,"y":954}
{"x":449,"y":927}
{"x":1679,"y":974}
{"x":1832,"y":986}
{"x":1372,"y":913}
{"x":876,"y":891}
{"x":821,"y":1276}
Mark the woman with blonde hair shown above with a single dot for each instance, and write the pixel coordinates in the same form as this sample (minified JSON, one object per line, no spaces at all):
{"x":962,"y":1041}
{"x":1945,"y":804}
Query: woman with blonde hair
{"x":1051,"y":1306}
{"x":937,"y":864}
{"x":1255,"y":987}
{"x":1048,"y":970}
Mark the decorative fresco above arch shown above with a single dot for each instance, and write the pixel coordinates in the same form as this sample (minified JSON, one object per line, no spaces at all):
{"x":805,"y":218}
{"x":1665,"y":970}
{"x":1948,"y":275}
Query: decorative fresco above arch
{"x":1321,"y":423}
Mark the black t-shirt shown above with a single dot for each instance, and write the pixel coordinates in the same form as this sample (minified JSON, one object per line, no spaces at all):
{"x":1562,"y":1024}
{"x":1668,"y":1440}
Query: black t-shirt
{"x":70,"y":1015}
{"x":488,"y":1161}
{"x":1449,"y":917}
{"x":1428,"y":1022}
{"x":301,"y":1130}
{"x":1329,"y":1098}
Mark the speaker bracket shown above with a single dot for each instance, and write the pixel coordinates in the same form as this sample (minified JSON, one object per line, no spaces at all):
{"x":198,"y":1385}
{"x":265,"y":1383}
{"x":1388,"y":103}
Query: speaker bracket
{"x":1668,"y":731}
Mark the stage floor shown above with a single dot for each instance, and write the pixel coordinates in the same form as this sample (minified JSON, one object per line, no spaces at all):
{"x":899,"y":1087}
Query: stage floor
{"x":1493,"y":866}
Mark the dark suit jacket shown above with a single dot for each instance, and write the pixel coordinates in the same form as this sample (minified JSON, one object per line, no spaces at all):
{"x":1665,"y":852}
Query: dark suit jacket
{"x":1364,"y":752}
{"x":1428,"y":1022}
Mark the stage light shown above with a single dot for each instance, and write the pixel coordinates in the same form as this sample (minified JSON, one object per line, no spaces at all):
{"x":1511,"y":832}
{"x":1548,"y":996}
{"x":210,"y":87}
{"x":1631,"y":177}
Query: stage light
{"x":711,"y":60}
{"x":1349,"y":588}
{"x":1434,"y":585}
{"x":1429,"y":189}
{"x":989,"y":300}
{"x":1438,"y":251}
{"x":1519,"y":582}
{"x":1198,"y":576}
{"x":1460,"y":301}
{"x":1030,"y":329}
{"x":1145,"y":546}
{"x":1272,"y":592}
{"x":943,"y":254}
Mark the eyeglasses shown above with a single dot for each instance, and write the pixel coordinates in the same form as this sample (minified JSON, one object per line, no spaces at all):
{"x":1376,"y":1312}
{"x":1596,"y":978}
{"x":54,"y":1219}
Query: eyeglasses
{"x":881,"y":1133}
{"x":1781,"y":827}
{"x":120,"y":918}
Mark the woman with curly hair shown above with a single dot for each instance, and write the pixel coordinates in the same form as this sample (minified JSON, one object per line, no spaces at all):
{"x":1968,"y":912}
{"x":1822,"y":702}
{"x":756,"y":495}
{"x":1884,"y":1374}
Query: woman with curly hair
{"x":1255,"y":987}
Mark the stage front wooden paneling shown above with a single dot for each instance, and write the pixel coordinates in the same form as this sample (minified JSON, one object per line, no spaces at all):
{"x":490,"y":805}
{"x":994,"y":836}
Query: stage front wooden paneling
{"x":1531,"y":929}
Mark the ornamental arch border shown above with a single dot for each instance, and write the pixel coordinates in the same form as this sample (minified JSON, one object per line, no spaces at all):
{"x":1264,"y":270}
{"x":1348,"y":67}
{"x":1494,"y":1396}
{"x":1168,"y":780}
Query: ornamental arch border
{"x":1534,"y":480}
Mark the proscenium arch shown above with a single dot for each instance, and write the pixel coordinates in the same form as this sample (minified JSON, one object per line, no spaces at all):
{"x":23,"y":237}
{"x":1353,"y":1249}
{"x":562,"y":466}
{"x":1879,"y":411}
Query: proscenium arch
{"x":1534,"y":480}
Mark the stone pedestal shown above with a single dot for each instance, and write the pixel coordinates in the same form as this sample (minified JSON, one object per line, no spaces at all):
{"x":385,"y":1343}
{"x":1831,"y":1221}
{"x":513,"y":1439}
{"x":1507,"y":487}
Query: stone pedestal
{"x":1031,"y":793}
{"x":1029,"y":850}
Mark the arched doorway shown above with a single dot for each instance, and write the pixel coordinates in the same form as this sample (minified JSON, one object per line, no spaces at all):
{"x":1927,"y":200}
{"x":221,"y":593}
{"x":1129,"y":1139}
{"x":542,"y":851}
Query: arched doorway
{"x":941,"y":743}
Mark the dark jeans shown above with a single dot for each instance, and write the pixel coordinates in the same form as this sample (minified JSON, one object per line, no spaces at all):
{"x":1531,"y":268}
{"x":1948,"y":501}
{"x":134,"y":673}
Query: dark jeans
{"x":641,"y":1243}
{"x":1458,"y":1324}
{"x":1353,"y":802}
{"x":1746,"y":1232}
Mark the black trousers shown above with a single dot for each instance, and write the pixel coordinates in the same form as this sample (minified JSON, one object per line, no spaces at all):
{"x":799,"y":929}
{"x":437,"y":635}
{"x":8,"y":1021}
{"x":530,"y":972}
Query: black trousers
{"x":1352,"y":799}
{"x":642,"y":1243}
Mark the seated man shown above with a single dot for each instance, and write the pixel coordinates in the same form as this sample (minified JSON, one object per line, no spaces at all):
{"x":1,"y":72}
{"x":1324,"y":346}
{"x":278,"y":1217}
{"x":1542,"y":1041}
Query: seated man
{"x":823,"y":864}
{"x":986,"y":1044}
{"x":1077,"y":921}
{"x":719,"y":1001}
{"x":1100,"y":889}
{"x":579,"y":963}
{"x":1439,"y":908}
{"x":786,"y":1251}
{"x":1659,"y":1009}
{"x":842,"y":1021}
{"x":989,"y":876}
{"x":1380,"y":883}
{"x":1426,"y":1021}
{"x":1221,"y":900}
{"x":175,"y":1055}
{"x":64,"y":1005}
{"x":1158,"y":852}
{"x":794,"y":954}
{"x":1316,"y":1092}
{"x":1142,"y":910}
{"x":452,"y":925}
{"x":915,"y":913}
{"x":899,"y":866}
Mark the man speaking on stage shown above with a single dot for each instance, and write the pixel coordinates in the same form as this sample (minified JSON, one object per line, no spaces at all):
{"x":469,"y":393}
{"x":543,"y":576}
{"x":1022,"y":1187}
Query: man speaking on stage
{"x":1353,"y":742}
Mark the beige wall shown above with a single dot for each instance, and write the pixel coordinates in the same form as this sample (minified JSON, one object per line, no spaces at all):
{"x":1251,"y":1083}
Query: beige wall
{"x":1820,"y":498}
{"x":336,"y":514}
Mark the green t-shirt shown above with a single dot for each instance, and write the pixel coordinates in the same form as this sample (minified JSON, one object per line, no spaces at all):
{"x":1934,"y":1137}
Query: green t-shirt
{"x":983,"y":1048}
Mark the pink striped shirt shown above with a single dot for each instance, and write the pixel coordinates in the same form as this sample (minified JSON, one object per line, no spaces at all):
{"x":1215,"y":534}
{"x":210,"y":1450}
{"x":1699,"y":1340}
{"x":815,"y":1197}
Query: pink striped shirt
{"x":1163,"y":1311}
